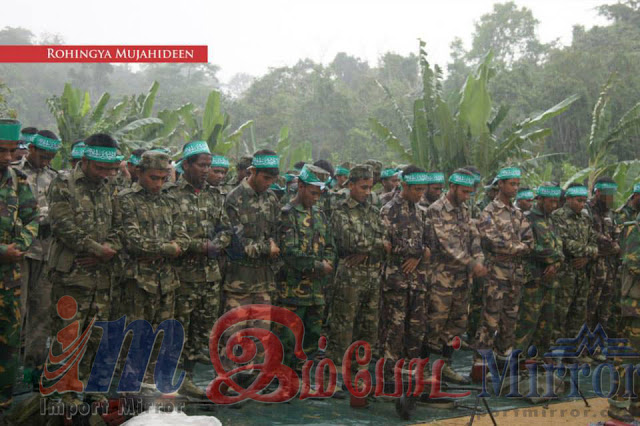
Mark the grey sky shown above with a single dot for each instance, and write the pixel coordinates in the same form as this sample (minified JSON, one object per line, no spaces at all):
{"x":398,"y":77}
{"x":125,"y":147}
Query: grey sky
{"x":251,"y":35}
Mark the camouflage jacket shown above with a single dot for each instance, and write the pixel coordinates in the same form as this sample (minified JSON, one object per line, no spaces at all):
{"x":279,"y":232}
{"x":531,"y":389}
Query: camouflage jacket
{"x":604,"y":225}
{"x":358,"y":229}
{"x":147,"y":225}
{"x":18,"y":221}
{"x":547,"y":249}
{"x":631,"y":253}
{"x":343,"y":194}
{"x":305,"y":241}
{"x":255,"y":217}
{"x":483,"y":203}
{"x":206,"y":220}
{"x":578,"y":237}
{"x":505,"y":231}
{"x":81,"y":216}
{"x":626,"y":213}
{"x":454,"y":237}
{"x":405,"y":229}
{"x":39,"y":181}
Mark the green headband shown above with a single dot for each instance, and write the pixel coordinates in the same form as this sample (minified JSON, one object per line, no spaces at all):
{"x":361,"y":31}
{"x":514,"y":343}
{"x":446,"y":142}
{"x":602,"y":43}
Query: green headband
{"x":265,"y":162}
{"x":509,"y":173}
{"x":219,"y":161}
{"x":342,"y":171}
{"x":102,"y":154}
{"x":419,"y":178}
{"x":27,"y":137}
{"x":436,"y":177}
{"x":527,"y":194}
{"x":45,"y":143}
{"x":10,"y":130}
{"x":477,"y":177}
{"x":308,"y":177}
{"x":78,"y":151}
{"x":276,"y":187}
{"x":462,"y":179}
{"x":636,"y":188}
{"x":549,"y":191}
{"x":577,"y":191}
{"x":607,"y":188}
{"x":164,"y":150}
{"x":387,"y":173}
{"x":134,"y":159}
{"x":288,"y":177}
{"x":195,"y":148}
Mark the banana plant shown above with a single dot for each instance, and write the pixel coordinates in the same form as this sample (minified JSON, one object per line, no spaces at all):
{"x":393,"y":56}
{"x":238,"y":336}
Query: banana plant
{"x":602,"y":138}
{"x":442,"y":138}
{"x":5,"y":111}
{"x":290,"y":153}
{"x":129,"y":121}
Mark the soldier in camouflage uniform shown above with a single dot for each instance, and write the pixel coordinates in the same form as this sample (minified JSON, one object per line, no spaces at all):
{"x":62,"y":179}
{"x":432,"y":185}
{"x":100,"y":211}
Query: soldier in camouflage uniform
{"x":26,"y":137}
{"x":341,"y":176}
{"x":84,"y":241}
{"x":580,"y":245}
{"x":253,"y":211}
{"x":35,"y":285}
{"x":218,"y":173}
{"x":132,"y":164}
{"x":308,"y":252}
{"x":403,"y":318}
{"x":457,"y":257}
{"x":242,"y":169}
{"x":490,"y":192}
{"x":434,"y":189}
{"x":390,"y":181}
{"x":535,"y":325}
{"x":630,"y":210}
{"x":198,"y":297}
{"x":477,"y":283}
{"x":525,"y":199}
{"x":630,"y":319}
{"x":358,"y":233}
{"x":506,"y":238}
{"x":152,"y":230}
{"x":19,"y":227}
{"x":603,"y":272}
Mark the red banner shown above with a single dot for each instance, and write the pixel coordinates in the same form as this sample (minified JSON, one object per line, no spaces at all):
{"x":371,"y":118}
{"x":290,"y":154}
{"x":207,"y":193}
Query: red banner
{"x":93,"y":54}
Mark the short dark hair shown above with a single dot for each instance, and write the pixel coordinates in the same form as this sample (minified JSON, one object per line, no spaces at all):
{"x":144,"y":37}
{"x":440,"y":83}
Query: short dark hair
{"x":299,"y":165}
{"x":324,"y":164}
{"x":271,"y":171}
{"x":523,"y":188}
{"x":29,"y":131}
{"x":48,"y":134}
{"x":412,"y":169}
{"x":574,"y":184}
{"x":473,"y":169}
{"x":101,"y":139}
{"x":138,"y":152}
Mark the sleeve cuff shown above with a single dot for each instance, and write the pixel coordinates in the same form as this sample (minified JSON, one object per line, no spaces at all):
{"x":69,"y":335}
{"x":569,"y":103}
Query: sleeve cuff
{"x":94,"y":247}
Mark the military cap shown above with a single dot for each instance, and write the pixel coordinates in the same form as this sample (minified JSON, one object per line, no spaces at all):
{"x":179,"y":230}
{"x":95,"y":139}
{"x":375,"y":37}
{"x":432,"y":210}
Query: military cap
{"x":155,"y":160}
{"x":360,"y":171}
{"x":376,"y":166}
{"x":244,"y":162}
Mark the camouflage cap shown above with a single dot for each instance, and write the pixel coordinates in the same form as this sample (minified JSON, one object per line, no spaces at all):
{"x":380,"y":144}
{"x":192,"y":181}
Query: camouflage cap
{"x":360,"y":171}
{"x":376,"y":166}
{"x":244,"y":162}
{"x":155,"y":160}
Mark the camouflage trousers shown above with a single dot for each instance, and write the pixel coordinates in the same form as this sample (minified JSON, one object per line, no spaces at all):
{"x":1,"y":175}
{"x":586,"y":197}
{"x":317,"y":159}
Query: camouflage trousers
{"x":500,"y":311}
{"x":197,"y":308}
{"x":9,"y":342}
{"x":403,"y":322}
{"x":35,"y":322}
{"x":354,"y":312}
{"x":475,"y":307}
{"x":447,"y":308}
{"x":311,"y":316}
{"x":91,"y":302}
{"x":570,"y":303}
{"x":536,"y":319}
{"x":600,"y":294}
{"x":234,"y":300}
{"x":139,"y":304}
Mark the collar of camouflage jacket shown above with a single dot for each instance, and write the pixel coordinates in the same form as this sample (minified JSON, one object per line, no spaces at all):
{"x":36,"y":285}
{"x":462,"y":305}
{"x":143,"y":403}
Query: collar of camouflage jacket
{"x":352,"y":203}
{"x":502,"y":205}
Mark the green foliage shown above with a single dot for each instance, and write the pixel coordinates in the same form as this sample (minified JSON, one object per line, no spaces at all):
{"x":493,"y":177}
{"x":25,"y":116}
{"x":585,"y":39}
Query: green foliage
{"x":5,"y":111}
{"x":442,"y":139}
